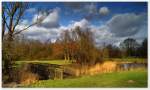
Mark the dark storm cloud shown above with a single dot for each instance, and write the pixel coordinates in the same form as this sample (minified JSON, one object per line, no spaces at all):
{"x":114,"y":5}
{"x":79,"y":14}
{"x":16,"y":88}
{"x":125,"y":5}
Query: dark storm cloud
{"x":88,"y":10}
{"x":128,"y":24}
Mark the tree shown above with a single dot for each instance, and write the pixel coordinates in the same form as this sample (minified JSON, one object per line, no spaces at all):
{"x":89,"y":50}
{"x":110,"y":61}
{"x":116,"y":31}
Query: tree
{"x":130,"y":46}
{"x":87,"y":53}
{"x":143,"y":49}
{"x":66,"y":39}
{"x":113,"y":51}
{"x":12,"y":14}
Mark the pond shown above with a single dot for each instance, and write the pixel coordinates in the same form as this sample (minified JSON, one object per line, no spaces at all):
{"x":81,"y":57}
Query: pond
{"x":44,"y":71}
{"x":53,"y":71}
{"x":128,"y":66}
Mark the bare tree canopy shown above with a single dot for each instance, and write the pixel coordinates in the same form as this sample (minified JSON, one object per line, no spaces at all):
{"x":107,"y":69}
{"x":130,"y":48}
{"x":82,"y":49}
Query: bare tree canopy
{"x":12,"y":15}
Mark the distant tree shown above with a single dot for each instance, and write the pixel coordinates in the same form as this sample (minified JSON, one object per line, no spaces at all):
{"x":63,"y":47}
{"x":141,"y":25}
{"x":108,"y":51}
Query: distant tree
{"x":57,"y":50}
{"x":105,"y":53}
{"x":143,"y":49}
{"x":113,"y":51}
{"x":130,"y":46}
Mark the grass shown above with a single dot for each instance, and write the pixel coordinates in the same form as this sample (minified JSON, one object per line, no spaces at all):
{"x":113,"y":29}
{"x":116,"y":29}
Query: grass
{"x":139,"y":78}
{"x":58,"y":62}
{"x":63,"y":62}
{"x":128,"y":59}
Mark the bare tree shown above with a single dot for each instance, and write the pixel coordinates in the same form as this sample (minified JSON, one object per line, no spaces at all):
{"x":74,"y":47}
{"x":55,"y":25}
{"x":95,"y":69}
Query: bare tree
{"x":12,"y":15}
{"x":87,"y":53}
{"x":66,"y":39}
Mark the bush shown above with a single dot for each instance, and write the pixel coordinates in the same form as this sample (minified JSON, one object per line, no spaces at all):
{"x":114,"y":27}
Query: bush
{"x":27,"y":77}
{"x":23,"y":75}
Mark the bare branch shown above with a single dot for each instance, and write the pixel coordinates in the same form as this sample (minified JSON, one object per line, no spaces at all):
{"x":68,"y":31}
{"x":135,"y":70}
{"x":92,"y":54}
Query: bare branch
{"x":25,"y":28}
{"x":21,"y":11}
{"x":39,"y":20}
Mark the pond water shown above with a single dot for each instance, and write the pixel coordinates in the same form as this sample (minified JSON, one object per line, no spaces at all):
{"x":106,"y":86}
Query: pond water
{"x":128,"y":66}
{"x":45,"y":71}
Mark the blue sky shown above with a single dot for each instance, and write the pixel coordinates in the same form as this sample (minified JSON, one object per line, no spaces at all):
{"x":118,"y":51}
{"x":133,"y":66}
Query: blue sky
{"x":111,"y":22}
{"x":68,"y":13}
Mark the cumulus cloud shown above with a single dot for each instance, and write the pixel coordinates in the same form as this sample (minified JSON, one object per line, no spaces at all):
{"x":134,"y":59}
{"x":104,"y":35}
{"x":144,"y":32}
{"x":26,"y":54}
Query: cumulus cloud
{"x":52,"y":20}
{"x":40,"y":15}
{"x":49,"y":19}
{"x":128,"y":24}
{"x":104,"y":11}
{"x":48,"y":29}
{"x":40,"y":33}
{"x":83,"y":24}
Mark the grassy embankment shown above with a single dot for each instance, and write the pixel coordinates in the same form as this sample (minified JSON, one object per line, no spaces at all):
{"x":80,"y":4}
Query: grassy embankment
{"x":62,"y":62}
{"x":58,"y":62}
{"x":136,"y":78}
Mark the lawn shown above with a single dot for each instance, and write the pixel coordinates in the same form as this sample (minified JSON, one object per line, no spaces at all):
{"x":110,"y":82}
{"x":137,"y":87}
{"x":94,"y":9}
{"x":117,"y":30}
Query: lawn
{"x":58,"y":62}
{"x":63,"y":62}
{"x":136,"y":78}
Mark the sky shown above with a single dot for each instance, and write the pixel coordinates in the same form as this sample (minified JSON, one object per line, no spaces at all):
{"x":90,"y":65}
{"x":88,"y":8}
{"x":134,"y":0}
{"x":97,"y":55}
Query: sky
{"x":111,"y":22}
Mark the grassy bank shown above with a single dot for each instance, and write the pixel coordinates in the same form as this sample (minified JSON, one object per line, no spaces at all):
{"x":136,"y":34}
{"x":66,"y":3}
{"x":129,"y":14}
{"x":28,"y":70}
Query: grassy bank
{"x":58,"y":62}
{"x":137,"y":78}
{"x":129,"y":59}
{"x":63,"y":62}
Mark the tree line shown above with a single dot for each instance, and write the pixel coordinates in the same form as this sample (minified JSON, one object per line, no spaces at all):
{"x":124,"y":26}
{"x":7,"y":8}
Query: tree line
{"x":77,"y":46}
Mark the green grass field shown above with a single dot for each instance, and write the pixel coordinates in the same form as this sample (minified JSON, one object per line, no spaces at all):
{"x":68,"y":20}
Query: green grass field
{"x":58,"y":62}
{"x":136,"y":78}
{"x":63,"y":62}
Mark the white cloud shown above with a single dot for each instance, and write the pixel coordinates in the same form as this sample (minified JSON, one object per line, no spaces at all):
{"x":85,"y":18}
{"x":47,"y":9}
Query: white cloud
{"x":40,"y":15}
{"x":83,"y":24}
{"x":52,"y":20}
{"x":48,"y":29}
{"x":104,"y":11}
{"x":49,"y":19}
{"x":40,"y":33}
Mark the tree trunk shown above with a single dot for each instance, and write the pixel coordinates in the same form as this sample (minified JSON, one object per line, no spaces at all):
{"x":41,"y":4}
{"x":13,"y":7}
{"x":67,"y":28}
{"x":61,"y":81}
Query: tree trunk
{"x":3,"y":29}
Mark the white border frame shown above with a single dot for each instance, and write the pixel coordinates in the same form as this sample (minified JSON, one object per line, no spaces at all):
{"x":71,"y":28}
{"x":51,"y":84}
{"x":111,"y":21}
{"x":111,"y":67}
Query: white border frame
{"x":78,"y":1}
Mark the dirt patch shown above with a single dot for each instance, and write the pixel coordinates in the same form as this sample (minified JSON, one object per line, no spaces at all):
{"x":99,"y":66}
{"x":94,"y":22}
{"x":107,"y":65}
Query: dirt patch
{"x":131,"y":81}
